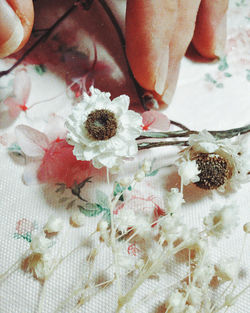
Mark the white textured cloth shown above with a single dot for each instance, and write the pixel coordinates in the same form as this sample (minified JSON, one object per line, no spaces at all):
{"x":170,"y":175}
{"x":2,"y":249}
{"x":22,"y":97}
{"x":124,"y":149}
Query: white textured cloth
{"x":211,"y":96}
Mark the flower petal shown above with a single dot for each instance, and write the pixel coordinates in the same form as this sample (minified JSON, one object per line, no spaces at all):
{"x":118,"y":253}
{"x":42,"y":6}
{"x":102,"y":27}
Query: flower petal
{"x":22,"y":86}
{"x":155,"y":120}
{"x":13,"y":107}
{"x":32,"y":142}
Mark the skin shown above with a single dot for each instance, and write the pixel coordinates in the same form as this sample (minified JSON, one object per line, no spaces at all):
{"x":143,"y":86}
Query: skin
{"x":158,"y":33}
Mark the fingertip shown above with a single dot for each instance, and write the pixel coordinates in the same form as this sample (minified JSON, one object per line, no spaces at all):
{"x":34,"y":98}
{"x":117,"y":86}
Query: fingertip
{"x":16,"y":22}
{"x":211,"y":27}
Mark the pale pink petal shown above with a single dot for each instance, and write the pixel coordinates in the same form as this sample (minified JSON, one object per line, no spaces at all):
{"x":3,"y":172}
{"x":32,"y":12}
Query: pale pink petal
{"x":13,"y":107}
{"x":55,"y":128}
{"x":30,"y":174}
{"x":32,"y":142}
{"x":22,"y":86}
{"x":155,"y":120}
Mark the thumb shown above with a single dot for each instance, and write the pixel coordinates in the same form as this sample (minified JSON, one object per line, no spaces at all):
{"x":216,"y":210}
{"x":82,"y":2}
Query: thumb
{"x":16,"y":22}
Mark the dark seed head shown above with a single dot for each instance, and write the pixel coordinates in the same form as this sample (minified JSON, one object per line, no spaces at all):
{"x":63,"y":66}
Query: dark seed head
{"x":101,"y":124}
{"x":214,"y":171}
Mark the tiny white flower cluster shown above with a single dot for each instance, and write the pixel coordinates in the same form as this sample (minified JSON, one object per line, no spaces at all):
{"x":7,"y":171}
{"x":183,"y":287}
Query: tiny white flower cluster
{"x":41,"y":261}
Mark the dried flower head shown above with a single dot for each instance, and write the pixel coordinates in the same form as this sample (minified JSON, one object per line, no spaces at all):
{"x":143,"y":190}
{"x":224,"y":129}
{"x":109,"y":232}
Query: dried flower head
{"x":220,"y":222}
{"x":102,"y":130}
{"x":39,"y":243}
{"x":53,"y":225}
{"x":77,"y":219}
{"x":221,"y":163}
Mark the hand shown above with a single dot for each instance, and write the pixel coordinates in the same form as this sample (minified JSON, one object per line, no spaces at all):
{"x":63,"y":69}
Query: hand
{"x":158,"y":33}
{"x":16,"y":22}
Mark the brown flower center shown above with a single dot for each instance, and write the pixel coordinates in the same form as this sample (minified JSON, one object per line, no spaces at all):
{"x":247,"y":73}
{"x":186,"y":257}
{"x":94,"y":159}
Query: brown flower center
{"x":101,"y":124}
{"x":214,"y":171}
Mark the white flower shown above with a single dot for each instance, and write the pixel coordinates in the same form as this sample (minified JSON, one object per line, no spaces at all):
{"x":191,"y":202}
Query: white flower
{"x":228,"y":269}
{"x":246,"y":228}
{"x":39,"y":265}
{"x":39,"y":243}
{"x":188,"y":170}
{"x":221,"y":221}
{"x":173,"y":200}
{"x":126,"y":219}
{"x":176,"y":302}
{"x":191,"y":309}
{"x":139,"y":175}
{"x":102,"y":130}
{"x":222,"y":163}
{"x":78,"y":219}
{"x":146,"y":166}
{"x":53,"y":225}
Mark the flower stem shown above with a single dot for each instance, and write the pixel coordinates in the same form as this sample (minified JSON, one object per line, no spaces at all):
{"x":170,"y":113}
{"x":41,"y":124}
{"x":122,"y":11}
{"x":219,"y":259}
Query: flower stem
{"x":219,"y":134}
{"x":148,"y":145}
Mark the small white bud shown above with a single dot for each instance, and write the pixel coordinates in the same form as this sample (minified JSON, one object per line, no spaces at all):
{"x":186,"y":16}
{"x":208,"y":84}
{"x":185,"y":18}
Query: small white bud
{"x":125,"y":181}
{"x":139,"y":176}
{"x":40,"y":243}
{"x":146,"y":166}
{"x":102,"y":225}
{"x":53,"y":225}
{"x":77,"y":219}
{"x":246,"y":228}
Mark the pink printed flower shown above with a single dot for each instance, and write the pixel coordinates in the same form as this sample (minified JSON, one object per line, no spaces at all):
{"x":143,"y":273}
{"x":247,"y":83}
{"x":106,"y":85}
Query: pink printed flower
{"x":154,"y":120}
{"x":21,"y":91}
{"x":52,"y":160}
{"x":24,"y":226}
{"x":132,"y":249}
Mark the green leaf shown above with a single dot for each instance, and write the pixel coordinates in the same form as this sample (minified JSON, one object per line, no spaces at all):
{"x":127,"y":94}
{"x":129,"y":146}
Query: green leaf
{"x":102,"y":199}
{"x":219,"y":85}
{"x":15,"y":149}
{"x":91,"y":210}
{"x":153,"y":173}
{"x":40,"y":69}
{"x":129,"y":188}
{"x":223,"y":65}
{"x":118,"y":189}
{"x":226,"y":74}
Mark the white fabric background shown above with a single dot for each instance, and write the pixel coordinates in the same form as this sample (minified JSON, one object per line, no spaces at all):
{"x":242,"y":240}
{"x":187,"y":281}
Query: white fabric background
{"x":197,"y":103}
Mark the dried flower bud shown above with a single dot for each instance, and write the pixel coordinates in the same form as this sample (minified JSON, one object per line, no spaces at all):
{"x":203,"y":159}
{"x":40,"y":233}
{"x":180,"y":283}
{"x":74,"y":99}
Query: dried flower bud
{"x":125,"y":181}
{"x":188,"y":170}
{"x":102,"y":225}
{"x":40,"y":243}
{"x":77,"y":219}
{"x":246,"y":228}
{"x":139,"y":176}
{"x":227,"y":269}
{"x":146,"y":166}
{"x":53,"y":225}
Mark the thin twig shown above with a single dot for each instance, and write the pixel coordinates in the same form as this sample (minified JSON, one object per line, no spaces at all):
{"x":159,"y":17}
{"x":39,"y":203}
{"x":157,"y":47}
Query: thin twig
{"x":149,"y":145}
{"x":180,"y":125}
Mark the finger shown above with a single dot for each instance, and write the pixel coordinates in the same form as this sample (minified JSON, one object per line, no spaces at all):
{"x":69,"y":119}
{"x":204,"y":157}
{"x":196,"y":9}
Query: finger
{"x":149,"y":28}
{"x":182,"y":36}
{"x":210,"y":32}
{"x":16,"y":22}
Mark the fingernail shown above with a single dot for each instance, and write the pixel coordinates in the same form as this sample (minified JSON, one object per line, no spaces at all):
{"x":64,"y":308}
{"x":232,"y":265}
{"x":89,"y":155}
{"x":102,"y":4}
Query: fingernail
{"x":162,"y":72}
{"x":220,"y":38}
{"x":12,"y":32}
